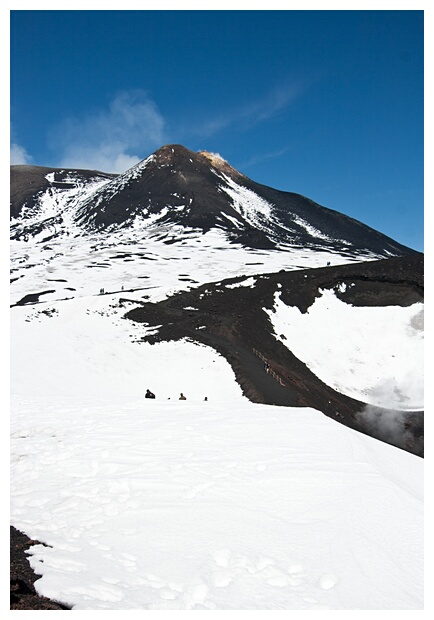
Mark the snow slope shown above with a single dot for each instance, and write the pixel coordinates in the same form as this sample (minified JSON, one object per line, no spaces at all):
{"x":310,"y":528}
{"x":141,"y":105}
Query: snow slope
{"x":221,"y":505}
{"x":154,"y":260}
{"x":154,"y":505}
{"x":383,"y":362}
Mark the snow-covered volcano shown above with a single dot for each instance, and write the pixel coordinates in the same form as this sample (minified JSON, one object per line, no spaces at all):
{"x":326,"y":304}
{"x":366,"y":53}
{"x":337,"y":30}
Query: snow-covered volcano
{"x":173,"y":214}
{"x":176,"y":192}
{"x":182,"y":275}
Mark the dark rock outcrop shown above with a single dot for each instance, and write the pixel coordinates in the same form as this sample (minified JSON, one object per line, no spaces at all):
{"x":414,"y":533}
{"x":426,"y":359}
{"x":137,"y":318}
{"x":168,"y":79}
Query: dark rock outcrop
{"x":22,"y":578}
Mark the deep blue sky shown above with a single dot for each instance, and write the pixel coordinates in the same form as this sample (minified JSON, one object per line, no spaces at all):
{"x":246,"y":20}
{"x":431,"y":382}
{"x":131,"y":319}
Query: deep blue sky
{"x":328,"y":104}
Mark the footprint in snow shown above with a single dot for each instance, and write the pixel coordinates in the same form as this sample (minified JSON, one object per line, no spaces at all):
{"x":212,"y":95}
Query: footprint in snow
{"x":194,"y":597}
{"x":101,"y":592}
{"x":262,"y":563}
{"x":222,"y":557}
{"x":310,"y":599}
{"x":278,"y":580}
{"x":221,"y":578}
{"x":328,"y":581}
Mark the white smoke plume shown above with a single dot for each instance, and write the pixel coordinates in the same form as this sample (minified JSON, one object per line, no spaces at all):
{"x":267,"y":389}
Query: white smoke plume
{"x":111,"y":139}
{"x":19,"y":155}
{"x":389,"y":425}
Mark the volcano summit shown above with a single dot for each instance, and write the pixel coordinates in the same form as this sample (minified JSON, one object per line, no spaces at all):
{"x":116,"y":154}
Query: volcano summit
{"x":188,"y":192}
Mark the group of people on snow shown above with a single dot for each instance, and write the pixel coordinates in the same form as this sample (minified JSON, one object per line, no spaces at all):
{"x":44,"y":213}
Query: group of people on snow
{"x":150,"y":394}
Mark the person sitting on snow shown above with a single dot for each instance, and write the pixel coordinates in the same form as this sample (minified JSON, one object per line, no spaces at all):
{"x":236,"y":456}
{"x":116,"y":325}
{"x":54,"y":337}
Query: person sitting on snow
{"x":149,"y":394}
{"x":182,"y":397}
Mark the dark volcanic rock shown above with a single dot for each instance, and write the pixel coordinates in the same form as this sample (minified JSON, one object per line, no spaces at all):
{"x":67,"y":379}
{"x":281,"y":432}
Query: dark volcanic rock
{"x":232,"y":321}
{"x":180,"y":183}
{"x":32,"y":298}
{"x":22,"y":578}
{"x":197,"y":190}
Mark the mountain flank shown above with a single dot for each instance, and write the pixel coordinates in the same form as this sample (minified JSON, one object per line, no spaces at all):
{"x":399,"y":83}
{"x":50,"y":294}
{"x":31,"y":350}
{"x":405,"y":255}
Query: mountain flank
{"x":196,"y":191}
{"x":231,"y":319}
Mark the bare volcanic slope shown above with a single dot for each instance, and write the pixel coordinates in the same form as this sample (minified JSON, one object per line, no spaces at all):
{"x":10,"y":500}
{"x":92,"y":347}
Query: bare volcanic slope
{"x":231,"y":317}
{"x":28,"y":184}
{"x":200,"y":191}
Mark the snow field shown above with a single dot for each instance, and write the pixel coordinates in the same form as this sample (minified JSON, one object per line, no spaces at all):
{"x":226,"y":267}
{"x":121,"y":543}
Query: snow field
{"x":167,"y":505}
{"x":77,"y":266}
{"x":383,"y":365}
{"x":86,"y":347}
{"x":194,"y":505}
{"x":218,"y":505}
